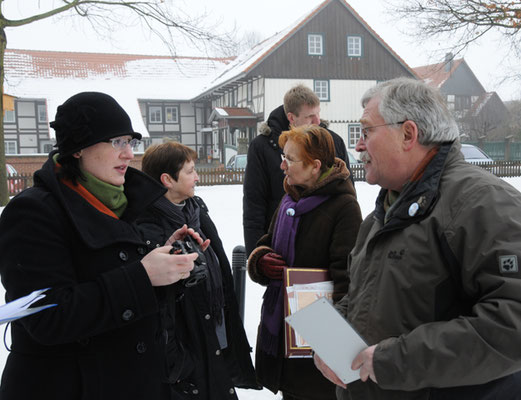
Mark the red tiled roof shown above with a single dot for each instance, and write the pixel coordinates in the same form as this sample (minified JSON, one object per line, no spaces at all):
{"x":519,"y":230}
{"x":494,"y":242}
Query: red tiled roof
{"x":436,"y":75}
{"x":238,"y":112}
{"x":57,"y":64}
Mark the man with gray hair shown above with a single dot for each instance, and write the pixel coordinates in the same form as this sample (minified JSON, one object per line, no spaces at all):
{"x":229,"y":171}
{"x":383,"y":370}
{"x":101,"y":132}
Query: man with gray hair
{"x":435,"y":286}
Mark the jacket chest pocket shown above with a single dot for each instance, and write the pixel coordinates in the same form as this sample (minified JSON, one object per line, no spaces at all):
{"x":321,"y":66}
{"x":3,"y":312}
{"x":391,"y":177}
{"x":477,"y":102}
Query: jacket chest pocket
{"x":97,"y":261}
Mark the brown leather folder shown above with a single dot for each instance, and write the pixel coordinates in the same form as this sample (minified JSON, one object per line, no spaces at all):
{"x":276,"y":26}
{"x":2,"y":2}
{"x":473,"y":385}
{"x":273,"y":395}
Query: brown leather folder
{"x":294,"y":276}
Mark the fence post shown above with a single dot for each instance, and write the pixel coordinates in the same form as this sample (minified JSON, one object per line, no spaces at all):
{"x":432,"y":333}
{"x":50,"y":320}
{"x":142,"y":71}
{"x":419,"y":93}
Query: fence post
{"x":239,"y":276}
{"x":508,"y":142}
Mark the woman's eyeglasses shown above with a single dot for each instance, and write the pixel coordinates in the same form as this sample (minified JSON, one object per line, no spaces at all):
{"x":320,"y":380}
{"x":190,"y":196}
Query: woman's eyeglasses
{"x":121,"y":144}
{"x":288,"y":160}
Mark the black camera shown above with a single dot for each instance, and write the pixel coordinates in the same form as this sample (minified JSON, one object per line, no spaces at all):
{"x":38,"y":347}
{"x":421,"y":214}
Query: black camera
{"x":200,"y":272}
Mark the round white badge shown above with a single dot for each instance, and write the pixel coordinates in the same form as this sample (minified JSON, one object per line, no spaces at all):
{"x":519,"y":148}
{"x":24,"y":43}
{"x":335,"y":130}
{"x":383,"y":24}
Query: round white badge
{"x":413,"y":209}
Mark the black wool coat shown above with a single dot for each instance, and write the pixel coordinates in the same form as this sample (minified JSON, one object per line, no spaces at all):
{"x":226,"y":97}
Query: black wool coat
{"x":102,"y":340}
{"x":263,"y":180}
{"x":215,"y":373}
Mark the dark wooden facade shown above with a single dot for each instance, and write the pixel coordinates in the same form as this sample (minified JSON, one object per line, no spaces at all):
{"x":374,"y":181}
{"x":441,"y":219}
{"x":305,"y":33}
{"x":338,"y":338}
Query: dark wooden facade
{"x":462,"y":82}
{"x":334,"y":21}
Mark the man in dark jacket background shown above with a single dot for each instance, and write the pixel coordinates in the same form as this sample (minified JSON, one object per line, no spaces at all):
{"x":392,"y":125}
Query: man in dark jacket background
{"x":263,"y":178}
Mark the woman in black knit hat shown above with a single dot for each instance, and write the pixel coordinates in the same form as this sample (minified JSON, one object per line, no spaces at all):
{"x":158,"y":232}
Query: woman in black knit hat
{"x":72,"y":233}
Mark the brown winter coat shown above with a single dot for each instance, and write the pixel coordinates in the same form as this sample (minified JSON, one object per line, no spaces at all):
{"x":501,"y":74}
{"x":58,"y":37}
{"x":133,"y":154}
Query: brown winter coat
{"x":324,"y":238}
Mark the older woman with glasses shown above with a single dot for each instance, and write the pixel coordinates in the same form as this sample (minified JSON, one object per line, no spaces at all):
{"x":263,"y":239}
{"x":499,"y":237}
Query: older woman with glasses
{"x":72,"y":233}
{"x":315,"y":226}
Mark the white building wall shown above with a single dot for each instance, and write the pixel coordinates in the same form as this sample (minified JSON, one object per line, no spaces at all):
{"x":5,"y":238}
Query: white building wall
{"x":275,"y":90}
{"x":343,"y":105}
{"x":344,"y":100}
{"x":342,"y":109}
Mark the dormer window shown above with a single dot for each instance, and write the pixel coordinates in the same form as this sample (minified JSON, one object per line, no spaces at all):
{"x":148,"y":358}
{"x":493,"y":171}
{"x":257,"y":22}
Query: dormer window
{"x":315,"y":44}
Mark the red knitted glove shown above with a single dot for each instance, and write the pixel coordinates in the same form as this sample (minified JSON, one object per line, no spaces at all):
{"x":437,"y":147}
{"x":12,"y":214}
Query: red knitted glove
{"x":272,"y":266}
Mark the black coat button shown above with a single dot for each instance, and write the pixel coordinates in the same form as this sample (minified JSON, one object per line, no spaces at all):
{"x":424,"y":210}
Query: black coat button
{"x":123,"y":255}
{"x":141,"y":347}
{"x":127,"y":315}
{"x":141,"y":250}
{"x":84,"y":342}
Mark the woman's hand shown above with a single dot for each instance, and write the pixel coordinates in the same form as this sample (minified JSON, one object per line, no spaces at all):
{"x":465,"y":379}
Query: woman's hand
{"x":164,"y":268}
{"x":272,"y":266}
{"x":181,"y":233}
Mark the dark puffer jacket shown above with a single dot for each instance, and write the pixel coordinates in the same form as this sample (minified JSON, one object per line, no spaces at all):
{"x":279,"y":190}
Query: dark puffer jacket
{"x":324,"y":238}
{"x":103,"y":339}
{"x":263,"y":178}
{"x":194,"y":352}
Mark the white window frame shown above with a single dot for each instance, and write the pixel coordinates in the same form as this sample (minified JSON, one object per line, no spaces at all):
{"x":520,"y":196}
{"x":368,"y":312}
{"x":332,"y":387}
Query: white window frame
{"x":354,"y":132}
{"x":42,"y":113}
{"x":152,"y":114}
{"x":9,"y":116}
{"x":176,"y":114}
{"x":321,"y":89}
{"x":11,"y":145}
{"x":354,"y":46}
{"x":315,"y":44}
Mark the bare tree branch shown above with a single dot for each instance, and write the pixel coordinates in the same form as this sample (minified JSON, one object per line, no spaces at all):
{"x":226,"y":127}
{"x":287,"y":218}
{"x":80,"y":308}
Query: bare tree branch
{"x":465,"y":21}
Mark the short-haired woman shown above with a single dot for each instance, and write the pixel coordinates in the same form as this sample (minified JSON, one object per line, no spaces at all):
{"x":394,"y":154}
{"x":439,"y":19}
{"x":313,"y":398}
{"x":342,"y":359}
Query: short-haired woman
{"x":72,"y":233}
{"x":209,"y":353}
{"x":315,"y":226}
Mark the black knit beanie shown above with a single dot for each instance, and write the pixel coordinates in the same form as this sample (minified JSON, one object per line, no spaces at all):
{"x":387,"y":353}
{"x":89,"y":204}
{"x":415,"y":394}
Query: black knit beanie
{"x":88,"y":118}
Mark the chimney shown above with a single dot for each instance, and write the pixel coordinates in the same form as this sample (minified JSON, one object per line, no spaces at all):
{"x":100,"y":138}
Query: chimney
{"x":449,"y":57}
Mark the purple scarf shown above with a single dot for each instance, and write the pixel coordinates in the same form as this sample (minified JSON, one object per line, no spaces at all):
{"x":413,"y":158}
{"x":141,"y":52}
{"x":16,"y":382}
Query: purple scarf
{"x":283,"y":242}
{"x":288,"y":218}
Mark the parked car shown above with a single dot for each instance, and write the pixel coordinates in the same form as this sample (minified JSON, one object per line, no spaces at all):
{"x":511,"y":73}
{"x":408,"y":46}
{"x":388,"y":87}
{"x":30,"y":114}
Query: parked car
{"x":352,"y":159}
{"x":14,"y":185}
{"x":237,"y":161}
{"x":473,"y":154}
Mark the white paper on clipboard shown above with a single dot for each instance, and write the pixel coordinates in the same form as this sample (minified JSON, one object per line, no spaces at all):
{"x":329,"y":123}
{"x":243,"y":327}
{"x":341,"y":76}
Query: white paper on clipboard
{"x":330,"y":336}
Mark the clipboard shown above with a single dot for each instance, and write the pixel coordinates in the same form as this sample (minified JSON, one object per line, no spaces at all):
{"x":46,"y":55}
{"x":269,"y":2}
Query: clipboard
{"x":330,"y":336}
{"x":294,"y":276}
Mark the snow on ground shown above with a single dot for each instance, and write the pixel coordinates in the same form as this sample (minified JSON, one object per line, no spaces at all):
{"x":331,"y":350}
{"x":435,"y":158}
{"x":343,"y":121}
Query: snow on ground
{"x":225,"y":206}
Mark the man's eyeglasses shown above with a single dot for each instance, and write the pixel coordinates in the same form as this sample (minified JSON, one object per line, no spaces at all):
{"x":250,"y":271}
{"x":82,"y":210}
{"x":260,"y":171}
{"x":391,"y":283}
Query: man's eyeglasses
{"x":121,"y":144}
{"x":288,"y":160}
{"x":366,"y":129}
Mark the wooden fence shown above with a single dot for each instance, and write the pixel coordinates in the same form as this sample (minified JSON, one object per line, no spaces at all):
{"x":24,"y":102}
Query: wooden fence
{"x":503,"y":169}
{"x":17,"y":183}
{"x":220,"y":176}
{"x":207,"y":177}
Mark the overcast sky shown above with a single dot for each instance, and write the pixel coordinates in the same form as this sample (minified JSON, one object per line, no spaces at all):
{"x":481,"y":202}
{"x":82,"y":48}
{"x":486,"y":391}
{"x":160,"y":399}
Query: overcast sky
{"x":486,"y":59}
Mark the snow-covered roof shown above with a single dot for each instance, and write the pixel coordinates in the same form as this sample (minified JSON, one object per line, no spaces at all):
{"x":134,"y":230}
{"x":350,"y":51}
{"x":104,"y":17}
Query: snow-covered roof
{"x":231,"y":113}
{"x":55,"y":76}
{"x":248,"y":60}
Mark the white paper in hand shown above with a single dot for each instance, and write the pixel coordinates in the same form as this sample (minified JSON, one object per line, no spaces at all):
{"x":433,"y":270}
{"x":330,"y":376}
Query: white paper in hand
{"x":20,"y":307}
{"x":330,"y":336}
